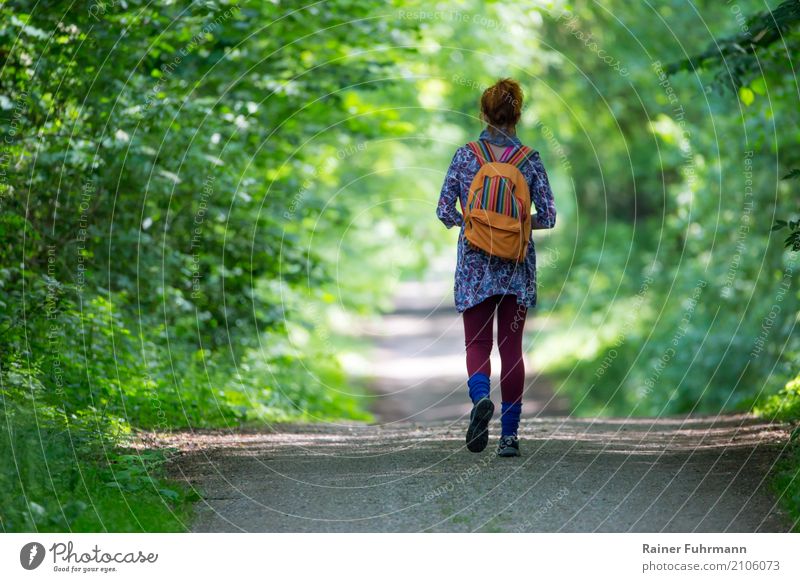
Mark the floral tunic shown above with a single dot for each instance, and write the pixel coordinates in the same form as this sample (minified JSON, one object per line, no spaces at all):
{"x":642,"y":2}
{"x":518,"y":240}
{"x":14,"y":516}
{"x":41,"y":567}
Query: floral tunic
{"x":479,"y":275}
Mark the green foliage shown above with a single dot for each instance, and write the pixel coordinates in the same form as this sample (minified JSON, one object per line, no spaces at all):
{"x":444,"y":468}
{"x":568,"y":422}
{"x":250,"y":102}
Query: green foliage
{"x":169,"y":202}
{"x":674,"y":298}
{"x":786,"y":480}
{"x":785,"y":405}
{"x":756,"y":64}
{"x":61,"y":473}
{"x":793,"y":240}
{"x":762,"y":36}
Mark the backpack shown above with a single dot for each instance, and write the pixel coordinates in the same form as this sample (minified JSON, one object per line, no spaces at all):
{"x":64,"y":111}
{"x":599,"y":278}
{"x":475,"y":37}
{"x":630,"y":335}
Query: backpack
{"x":497,"y":218}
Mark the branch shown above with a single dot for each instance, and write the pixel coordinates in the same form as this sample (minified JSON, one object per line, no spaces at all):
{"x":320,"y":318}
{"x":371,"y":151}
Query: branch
{"x":771,"y":26}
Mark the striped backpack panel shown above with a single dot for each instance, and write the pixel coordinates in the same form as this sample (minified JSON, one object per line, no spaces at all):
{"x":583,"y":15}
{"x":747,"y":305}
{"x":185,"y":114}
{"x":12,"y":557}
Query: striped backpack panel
{"x":497,"y":195}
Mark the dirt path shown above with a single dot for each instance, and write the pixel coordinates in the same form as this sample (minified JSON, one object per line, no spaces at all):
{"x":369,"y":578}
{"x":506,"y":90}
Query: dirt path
{"x":411,"y":472}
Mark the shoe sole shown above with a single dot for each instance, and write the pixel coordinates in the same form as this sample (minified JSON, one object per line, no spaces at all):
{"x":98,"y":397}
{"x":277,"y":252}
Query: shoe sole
{"x":508,"y":453}
{"x":478,"y":429}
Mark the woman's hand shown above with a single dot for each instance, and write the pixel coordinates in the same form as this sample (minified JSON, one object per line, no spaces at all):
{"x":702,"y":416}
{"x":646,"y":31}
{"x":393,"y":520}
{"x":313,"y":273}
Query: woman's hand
{"x":536,"y":225}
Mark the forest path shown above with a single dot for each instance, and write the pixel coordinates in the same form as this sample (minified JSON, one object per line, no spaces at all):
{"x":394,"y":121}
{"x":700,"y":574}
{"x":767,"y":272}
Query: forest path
{"x":411,"y":471}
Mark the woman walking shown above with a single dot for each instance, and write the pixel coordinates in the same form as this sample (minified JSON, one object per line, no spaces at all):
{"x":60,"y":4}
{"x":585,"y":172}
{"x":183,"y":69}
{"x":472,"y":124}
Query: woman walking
{"x":487,"y":281}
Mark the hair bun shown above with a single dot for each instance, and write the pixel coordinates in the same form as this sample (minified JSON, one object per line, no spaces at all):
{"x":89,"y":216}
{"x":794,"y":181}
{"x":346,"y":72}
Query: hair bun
{"x":501,"y":104}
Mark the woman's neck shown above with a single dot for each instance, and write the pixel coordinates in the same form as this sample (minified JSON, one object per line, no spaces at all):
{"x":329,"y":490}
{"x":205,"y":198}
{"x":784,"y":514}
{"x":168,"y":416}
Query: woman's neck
{"x":504,"y":131}
{"x":500,"y":137}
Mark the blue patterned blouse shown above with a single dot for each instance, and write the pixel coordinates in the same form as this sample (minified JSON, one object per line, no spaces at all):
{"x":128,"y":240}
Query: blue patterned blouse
{"x":479,"y":275}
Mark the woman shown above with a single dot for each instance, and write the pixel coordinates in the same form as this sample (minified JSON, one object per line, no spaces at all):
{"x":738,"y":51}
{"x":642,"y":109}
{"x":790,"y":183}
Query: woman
{"x":484,"y":283}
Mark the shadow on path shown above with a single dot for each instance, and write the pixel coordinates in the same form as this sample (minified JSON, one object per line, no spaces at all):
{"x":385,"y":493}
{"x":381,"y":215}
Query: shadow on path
{"x":670,"y":475}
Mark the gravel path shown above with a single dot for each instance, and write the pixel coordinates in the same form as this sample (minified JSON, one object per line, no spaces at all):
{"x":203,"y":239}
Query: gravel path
{"x":411,"y":471}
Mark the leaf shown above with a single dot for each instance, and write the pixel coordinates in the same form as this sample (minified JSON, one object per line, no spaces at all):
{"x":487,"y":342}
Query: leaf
{"x":793,"y":241}
{"x":746,"y":95}
{"x":779,"y":224}
{"x":795,"y":173}
{"x":170,"y":175}
{"x":759,"y":86}
{"x":37,"y":510}
{"x":169,"y":494}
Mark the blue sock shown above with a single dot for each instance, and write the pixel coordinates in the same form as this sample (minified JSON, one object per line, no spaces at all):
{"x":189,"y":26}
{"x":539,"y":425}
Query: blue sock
{"x":478,"y":386}
{"x":509,"y":417}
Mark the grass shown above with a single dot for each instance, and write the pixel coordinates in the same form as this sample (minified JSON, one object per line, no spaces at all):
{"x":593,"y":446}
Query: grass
{"x":786,"y":481}
{"x":785,"y":406}
{"x":57,"y":476}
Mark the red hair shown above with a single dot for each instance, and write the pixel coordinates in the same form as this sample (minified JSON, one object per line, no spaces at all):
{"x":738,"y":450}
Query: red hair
{"x":501,"y":104}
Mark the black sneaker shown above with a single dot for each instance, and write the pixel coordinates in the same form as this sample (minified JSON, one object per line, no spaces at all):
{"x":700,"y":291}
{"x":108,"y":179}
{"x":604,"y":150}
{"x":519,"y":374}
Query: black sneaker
{"x":508,"y":446}
{"x":478,"y":429}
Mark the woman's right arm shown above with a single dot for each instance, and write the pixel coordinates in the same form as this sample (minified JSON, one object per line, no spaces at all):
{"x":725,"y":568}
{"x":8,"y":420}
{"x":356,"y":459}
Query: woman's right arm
{"x":451,"y":193}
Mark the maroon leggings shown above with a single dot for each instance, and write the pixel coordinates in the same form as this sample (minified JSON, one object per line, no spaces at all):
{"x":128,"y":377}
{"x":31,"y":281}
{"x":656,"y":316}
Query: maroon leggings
{"x":478,"y":324}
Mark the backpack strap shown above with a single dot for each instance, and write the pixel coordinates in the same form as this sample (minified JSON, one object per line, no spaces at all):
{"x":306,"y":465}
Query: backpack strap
{"x":520,"y":156}
{"x":482,"y":151}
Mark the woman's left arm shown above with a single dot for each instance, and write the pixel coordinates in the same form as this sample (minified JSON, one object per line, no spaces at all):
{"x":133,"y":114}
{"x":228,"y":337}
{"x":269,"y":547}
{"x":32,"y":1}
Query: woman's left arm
{"x":451,"y":191}
{"x":541,"y":196}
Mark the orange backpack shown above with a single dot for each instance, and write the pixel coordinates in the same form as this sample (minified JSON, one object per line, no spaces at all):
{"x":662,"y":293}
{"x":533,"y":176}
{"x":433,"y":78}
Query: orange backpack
{"x":497,"y":218}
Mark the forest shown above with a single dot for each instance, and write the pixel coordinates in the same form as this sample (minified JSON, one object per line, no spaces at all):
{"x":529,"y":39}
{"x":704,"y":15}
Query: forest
{"x":198,"y":198}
